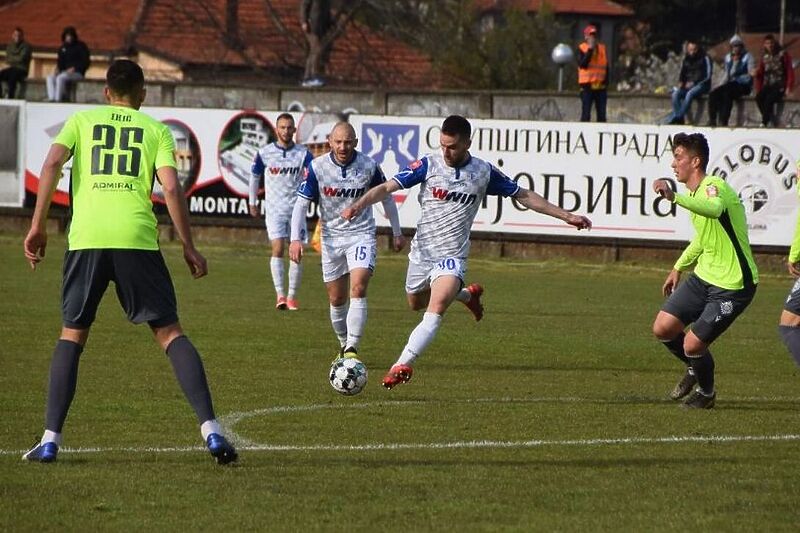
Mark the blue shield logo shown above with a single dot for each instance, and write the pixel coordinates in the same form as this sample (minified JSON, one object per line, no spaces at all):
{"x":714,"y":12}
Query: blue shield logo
{"x":392,"y":146}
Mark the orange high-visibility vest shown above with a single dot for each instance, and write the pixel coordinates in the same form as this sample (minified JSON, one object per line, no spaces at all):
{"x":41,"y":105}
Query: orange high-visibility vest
{"x":595,"y":72}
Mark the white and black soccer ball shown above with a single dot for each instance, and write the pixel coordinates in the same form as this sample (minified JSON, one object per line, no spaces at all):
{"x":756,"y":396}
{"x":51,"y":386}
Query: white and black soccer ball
{"x":348,"y":376}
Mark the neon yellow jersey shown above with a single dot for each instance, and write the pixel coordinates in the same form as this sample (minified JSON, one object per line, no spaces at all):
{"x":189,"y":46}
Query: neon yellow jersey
{"x":794,"y":251}
{"x":115,"y":152}
{"x":721,"y":246}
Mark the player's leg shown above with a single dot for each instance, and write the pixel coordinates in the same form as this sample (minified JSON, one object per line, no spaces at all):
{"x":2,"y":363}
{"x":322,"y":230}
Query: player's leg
{"x":277,"y":233}
{"x":336,"y":277}
{"x":145,"y":291}
{"x":85,"y":279}
{"x":361,"y":258}
{"x":295,"y":276}
{"x":682,"y":307}
{"x":789,"y":327}
{"x":722,"y":308}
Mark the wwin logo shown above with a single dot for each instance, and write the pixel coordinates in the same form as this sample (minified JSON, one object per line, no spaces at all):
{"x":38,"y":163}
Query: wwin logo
{"x":392,"y":146}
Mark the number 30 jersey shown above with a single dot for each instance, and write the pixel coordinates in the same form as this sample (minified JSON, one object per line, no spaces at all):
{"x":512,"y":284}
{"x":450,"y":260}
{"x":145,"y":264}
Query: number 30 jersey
{"x":450,"y":198}
{"x":115,"y":151}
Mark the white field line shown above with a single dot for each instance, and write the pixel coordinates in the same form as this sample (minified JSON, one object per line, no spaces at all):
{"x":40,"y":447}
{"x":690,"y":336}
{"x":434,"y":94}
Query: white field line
{"x":242,"y":443}
{"x":473,"y":444}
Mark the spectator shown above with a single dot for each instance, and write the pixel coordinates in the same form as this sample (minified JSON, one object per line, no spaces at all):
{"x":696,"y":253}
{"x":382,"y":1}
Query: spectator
{"x":738,"y":82}
{"x":18,"y":57}
{"x":73,"y":61}
{"x":774,"y":79}
{"x":592,"y":75}
{"x":693,"y":81}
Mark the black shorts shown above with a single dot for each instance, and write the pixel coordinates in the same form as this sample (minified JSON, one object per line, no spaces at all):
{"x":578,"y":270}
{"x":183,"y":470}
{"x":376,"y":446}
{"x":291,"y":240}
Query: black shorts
{"x":710,"y":309}
{"x":793,"y":300}
{"x":144,"y":286}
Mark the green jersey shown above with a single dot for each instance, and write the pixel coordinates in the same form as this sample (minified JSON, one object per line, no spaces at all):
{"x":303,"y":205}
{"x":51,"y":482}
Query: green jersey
{"x":116,"y":151}
{"x":794,"y":251}
{"x":720,"y":247}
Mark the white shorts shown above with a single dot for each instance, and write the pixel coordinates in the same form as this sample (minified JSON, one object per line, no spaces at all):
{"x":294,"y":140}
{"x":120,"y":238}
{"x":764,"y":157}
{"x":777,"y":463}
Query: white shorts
{"x":421,"y":274}
{"x":340,"y":255}
{"x":278,"y":226}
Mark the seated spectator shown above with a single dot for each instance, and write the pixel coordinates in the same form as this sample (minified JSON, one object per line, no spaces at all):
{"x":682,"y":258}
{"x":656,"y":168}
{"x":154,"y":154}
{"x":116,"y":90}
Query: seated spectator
{"x":693,"y":81}
{"x":738,"y":82}
{"x":73,"y":61}
{"x":774,"y":79}
{"x":18,"y":57}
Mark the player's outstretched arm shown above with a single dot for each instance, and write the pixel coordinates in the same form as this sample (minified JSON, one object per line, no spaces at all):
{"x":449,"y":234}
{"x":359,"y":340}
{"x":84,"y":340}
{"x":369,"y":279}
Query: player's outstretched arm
{"x":36,"y":239}
{"x":374,"y":195}
{"x":534,"y":201}
{"x":178,"y":212}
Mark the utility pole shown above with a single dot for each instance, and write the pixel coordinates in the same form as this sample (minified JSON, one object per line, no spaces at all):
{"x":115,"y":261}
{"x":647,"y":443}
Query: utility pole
{"x":783,"y":21}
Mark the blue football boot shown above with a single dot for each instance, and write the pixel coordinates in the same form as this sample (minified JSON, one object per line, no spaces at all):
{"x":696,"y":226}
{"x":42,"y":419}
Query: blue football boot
{"x":221,"y":449}
{"x":42,"y":453}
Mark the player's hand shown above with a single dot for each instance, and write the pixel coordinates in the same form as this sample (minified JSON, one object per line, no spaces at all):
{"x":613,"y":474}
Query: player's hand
{"x":399,"y":242}
{"x":296,"y":251}
{"x":671,"y":282}
{"x":254,"y":211}
{"x":197,"y":263}
{"x":663,"y":189}
{"x":35,"y":246}
{"x":350,"y":212}
{"x":794,"y":268}
{"x":579,"y":221}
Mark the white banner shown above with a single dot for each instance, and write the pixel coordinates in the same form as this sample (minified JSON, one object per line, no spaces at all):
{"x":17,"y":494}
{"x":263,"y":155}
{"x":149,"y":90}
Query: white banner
{"x":604,"y":171}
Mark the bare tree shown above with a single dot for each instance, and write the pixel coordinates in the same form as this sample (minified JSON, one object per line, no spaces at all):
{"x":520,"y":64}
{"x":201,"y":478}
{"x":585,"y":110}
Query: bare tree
{"x":322,"y":26}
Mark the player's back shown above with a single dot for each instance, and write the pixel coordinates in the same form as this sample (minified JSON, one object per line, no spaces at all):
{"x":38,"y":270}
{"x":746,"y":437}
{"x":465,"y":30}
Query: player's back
{"x":115,"y":151}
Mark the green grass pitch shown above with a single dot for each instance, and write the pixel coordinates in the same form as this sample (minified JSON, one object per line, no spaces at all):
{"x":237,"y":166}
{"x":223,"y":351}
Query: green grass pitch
{"x":550,"y":414}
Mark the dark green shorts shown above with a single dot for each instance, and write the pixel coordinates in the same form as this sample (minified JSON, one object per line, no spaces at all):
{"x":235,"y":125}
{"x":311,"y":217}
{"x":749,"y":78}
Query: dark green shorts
{"x":793,"y":300}
{"x":144,"y":286}
{"x":710,"y":309}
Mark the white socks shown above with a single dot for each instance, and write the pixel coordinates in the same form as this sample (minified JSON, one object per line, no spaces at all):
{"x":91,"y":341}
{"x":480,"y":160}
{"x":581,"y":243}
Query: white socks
{"x":276,"y":267}
{"x":339,"y":323}
{"x":356,"y":320}
{"x":464,"y":295}
{"x":210,"y":426}
{"x":295,"y":275}
{"x":51,"y":436}
{"x":420,"y":338}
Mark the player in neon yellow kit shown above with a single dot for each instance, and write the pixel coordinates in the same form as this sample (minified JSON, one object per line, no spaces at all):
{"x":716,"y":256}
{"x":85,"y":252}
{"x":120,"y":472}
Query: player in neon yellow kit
{"x":789,"y":327}
{"x":725,"y":276}
{"x":113,"y":236}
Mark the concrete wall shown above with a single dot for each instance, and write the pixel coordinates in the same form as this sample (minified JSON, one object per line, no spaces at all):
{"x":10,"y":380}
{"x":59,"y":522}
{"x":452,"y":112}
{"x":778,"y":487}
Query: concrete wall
{"x":550,"y":106}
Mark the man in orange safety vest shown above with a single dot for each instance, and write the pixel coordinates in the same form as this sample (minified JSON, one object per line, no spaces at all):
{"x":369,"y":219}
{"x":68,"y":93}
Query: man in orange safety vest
{"x":592,"y":75}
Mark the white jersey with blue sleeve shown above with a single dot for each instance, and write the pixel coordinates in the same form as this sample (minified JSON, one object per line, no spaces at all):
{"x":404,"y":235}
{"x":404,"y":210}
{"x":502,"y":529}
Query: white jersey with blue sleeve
{"x":449,"y":198}
{"x":335,"y":186}
{"x":282,"y":169}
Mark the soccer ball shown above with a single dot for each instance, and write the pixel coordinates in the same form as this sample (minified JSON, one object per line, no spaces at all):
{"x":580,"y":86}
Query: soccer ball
{"x":348,"y":376}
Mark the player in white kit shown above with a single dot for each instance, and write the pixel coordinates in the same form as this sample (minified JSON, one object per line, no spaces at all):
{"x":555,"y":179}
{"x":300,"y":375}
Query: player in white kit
{"x":348,"y":246}
{"x":453,"y":185}
{"x":282,"y":165}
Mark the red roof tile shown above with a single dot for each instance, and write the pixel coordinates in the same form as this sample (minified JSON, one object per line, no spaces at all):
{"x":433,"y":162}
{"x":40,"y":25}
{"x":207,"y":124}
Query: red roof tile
{"x":578,"y":7}
{"x":192,"y":34}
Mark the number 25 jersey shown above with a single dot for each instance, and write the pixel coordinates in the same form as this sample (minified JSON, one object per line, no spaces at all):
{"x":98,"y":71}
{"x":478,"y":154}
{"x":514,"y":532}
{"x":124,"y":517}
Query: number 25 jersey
{"x":115,"y":151}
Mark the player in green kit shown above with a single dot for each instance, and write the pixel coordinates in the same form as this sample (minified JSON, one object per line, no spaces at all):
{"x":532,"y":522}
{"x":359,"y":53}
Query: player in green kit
{"x":113,"y":236}
{"x":789,"y":326}
{"x":724,"y":279}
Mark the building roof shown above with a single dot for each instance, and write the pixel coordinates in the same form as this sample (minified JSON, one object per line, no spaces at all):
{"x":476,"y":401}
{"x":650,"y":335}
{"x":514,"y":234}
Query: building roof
{"x":192,"y":33}
{"x":559,"y":7}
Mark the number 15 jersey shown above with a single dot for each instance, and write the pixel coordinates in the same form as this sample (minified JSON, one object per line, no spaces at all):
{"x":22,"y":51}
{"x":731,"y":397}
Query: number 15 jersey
{"x":115,"y":151}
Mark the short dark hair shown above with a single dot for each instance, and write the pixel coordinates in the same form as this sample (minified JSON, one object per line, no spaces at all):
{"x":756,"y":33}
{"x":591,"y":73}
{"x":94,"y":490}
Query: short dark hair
{"x":69,"y":30}
{"x":458,"y":126}
{"x":694,"y":143}
{"x":124,"y":77}
{"x":769,"y":37}
{"x":286,"y":116}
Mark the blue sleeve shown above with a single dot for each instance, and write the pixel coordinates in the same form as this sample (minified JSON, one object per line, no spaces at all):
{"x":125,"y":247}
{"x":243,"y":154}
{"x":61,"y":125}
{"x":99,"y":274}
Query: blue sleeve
{"x":709,"y":70}
{"x":413,"y":174}
{"x":500,"y":184}
{"x":309,"y":187}
{"x":258,"y":166}
{"x":377,"y":177}
{"x":307,"y":159}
